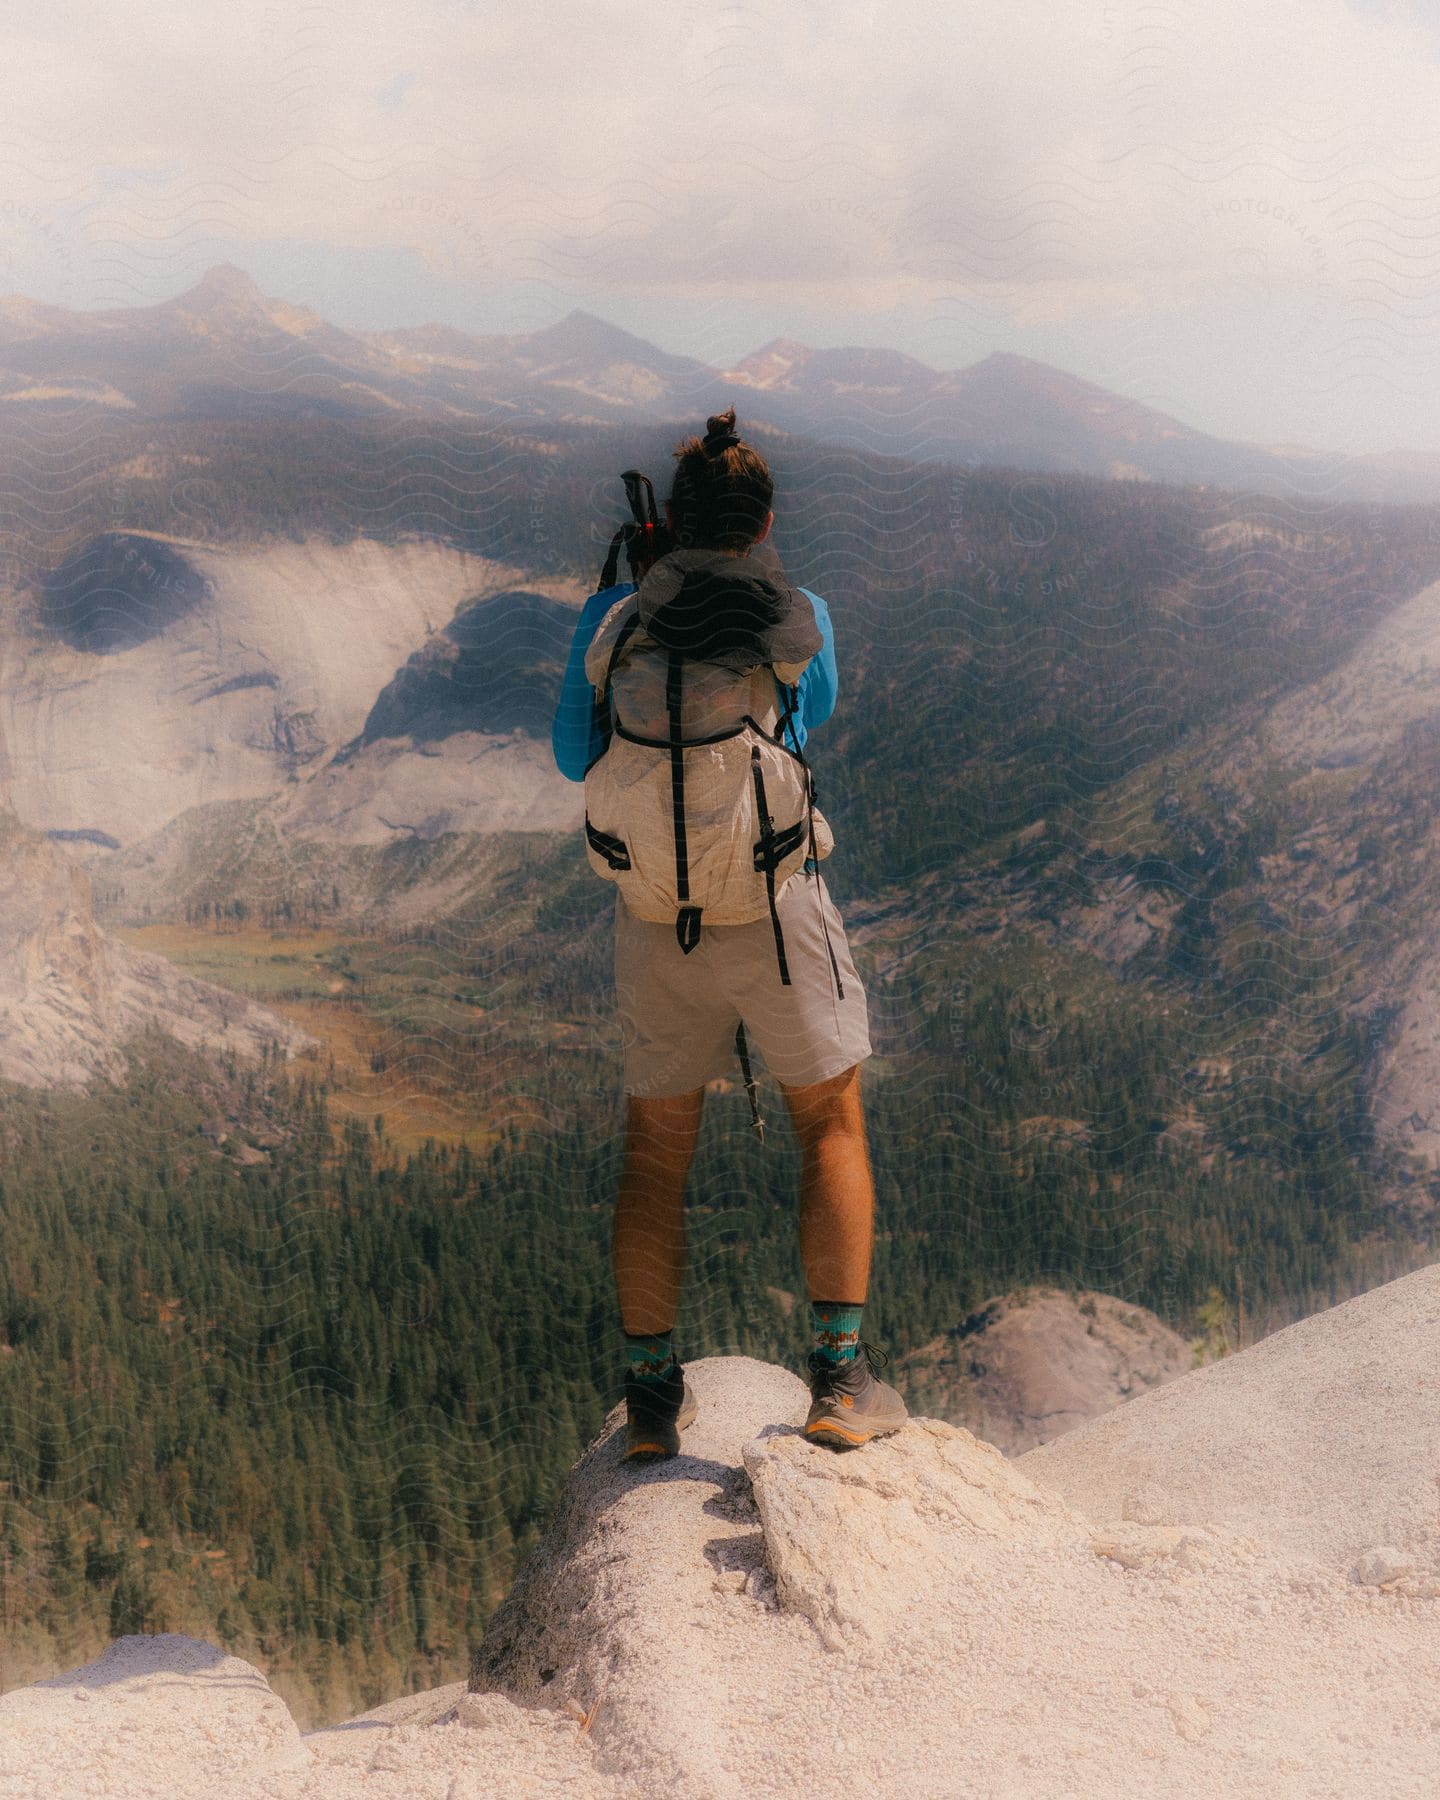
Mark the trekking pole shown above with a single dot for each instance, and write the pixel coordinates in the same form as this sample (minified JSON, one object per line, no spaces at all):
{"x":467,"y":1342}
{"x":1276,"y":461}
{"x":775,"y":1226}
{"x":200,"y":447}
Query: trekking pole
{"x":640,"y":536}
{"x":742,"y":1050}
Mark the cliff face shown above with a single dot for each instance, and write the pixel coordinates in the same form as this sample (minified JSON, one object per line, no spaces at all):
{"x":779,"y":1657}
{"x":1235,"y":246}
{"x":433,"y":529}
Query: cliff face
{"x":154,"y":675}
{"x":1029,"y":1366}
{"x":1173,"y":1599}
{"x":70,"y":995}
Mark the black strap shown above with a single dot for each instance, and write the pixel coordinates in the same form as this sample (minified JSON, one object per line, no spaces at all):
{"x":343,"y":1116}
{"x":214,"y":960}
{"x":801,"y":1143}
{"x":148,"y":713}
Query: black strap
{"x":611,"y":848}
{"x":605,"y":724}
{"x":695,"y":743}
{"x":742,"y":1050}
{"x":771,"y":851}
{"x":622,"y":638}
{"x":766,"y":859}
{"x":687,"y":927}
{"x":612,"y":561}
{"x":792,"y":706}
{"x":665,"y":743}
{"x":687,"y":920}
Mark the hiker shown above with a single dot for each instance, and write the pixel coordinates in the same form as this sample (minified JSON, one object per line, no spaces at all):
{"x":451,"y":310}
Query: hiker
{"x":713,"y":644}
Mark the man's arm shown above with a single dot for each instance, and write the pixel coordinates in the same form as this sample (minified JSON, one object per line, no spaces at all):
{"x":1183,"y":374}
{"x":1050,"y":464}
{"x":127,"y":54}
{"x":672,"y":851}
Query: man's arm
{"x":820,"y":681}
{"x":573,"y":737}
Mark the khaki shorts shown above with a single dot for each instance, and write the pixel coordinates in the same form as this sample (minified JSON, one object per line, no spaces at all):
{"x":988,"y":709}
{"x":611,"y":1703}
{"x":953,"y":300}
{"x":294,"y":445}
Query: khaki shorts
{"x":678,"y":1012}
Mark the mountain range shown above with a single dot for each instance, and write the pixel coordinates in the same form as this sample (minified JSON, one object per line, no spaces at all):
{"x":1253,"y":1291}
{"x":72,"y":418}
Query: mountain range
{"x":225,"y":350}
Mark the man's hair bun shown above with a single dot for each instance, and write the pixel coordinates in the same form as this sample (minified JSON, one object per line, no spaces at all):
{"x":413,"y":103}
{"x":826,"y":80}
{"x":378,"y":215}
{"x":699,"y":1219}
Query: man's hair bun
{"x":720,"y":432}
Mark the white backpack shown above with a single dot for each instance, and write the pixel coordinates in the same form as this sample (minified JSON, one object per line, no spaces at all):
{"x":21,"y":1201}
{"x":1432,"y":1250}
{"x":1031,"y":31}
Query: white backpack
{"x":704,"y":828}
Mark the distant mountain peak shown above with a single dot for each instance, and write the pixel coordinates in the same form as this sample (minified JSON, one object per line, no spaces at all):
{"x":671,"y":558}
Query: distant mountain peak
{"x":1006,"y":372}
{"x":577,"y":317}
{"x":783,"y":346}
{"x":1009,"y":356}
{"x":594,"y":357}
{"x":226,"y":300}
{"x":770,"y":365}
{"x":580,"y":331}
{"x":224,"y":284}
{"x":1011,"y":363}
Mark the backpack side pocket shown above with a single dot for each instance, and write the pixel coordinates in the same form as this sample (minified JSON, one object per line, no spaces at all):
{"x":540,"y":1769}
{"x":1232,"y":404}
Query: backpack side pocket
{"x":628,"y":833}
{"x":611,"y":851}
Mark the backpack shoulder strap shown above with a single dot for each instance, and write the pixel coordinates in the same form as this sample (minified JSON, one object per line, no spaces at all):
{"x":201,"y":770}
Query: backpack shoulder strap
{"x":622,"y":638}
{"x":791,"y":692}
{"x":602,"y":712}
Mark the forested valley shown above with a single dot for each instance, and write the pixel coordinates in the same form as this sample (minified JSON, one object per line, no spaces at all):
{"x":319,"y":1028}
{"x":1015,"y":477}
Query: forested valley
{"x":316,"y":1411}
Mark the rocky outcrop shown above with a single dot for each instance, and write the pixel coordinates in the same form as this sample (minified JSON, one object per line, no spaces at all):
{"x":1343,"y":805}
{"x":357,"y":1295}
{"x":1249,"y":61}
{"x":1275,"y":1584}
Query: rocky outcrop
{"x":160,"y":674}
{"x":70,"y":995}
{"x":495,"y":668}
{"x":119,"y":590}
{"x":1028,"y":1366}
{"x":173,"y":1718}
{"x":393,"y":792}
{"x":153,"y":1715}
{"x":1178,"y":1598}
{"x":1348,"y":1399}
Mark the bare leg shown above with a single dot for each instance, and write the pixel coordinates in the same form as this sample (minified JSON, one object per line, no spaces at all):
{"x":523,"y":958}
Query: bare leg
{"x":837,"y":1192}
{"x":648,"y":1243}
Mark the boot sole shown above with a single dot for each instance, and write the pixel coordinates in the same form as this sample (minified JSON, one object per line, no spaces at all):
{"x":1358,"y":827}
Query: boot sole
{"x":847,"y":1437}
{"x":647,"y":1451}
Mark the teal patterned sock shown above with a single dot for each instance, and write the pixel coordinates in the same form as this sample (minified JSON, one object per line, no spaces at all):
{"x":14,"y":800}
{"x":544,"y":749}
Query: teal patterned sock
{"x":649,"y":1354}
{"x":836,"y":1324}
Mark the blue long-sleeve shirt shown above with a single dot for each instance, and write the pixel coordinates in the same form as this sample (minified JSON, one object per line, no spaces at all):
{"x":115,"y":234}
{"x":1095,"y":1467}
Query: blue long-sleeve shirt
{"x":574,"y":738}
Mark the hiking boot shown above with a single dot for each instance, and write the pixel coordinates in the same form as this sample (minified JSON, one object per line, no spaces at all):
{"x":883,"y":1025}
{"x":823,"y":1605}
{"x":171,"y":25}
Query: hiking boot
{"x":849,"y":1406}
{"x":656,"y":1413}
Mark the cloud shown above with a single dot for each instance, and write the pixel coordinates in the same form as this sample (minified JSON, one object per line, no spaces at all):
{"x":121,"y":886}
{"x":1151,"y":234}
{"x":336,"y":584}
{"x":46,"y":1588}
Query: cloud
{"x":1028,"y":165}
{"x":977,"y":145}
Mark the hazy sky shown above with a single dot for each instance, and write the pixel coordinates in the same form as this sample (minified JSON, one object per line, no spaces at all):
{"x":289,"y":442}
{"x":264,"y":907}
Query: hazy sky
{"x":1228,"y":212}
